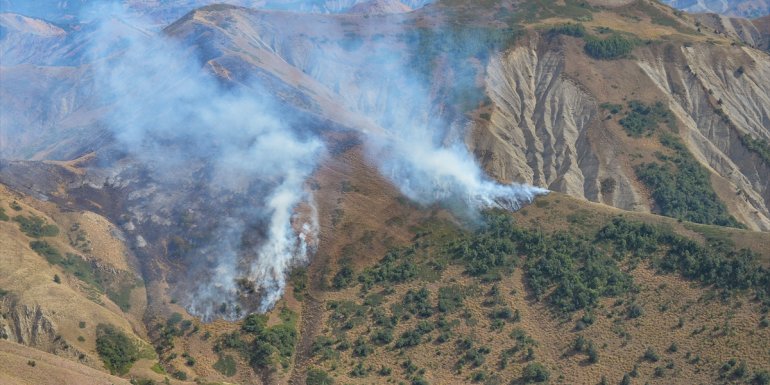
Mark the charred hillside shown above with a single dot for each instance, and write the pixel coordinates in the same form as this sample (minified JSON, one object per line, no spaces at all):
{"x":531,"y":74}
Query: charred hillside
{"x":319,"y":192}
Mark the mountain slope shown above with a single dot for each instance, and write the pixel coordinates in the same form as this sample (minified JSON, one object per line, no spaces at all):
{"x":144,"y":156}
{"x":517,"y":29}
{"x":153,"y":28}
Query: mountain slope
{"x":624,"y":109}
{"x":743,"y":8}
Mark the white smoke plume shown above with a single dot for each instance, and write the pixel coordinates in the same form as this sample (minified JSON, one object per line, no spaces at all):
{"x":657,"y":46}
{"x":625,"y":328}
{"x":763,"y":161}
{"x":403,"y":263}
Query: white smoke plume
{"x":427,"y":157}
{"x":173,"y":117}
{"x":428,"y":173}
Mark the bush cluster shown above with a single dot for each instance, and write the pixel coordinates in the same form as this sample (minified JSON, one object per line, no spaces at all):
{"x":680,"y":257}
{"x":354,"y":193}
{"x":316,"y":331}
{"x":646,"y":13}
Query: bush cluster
{"x":681,"y":187}
{"x":116,"y":349}
{"x":613,"y":47}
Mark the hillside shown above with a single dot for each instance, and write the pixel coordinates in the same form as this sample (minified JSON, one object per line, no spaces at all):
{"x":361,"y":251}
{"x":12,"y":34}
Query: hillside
{"x":259,"y":213}
{"x":742,"y":8}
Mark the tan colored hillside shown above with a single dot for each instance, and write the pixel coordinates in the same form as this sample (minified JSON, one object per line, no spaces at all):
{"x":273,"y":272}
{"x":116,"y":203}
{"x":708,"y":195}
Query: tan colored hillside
{"x":21,"y":365}
{"x":598,"y":280}
{"x":61,"y":318}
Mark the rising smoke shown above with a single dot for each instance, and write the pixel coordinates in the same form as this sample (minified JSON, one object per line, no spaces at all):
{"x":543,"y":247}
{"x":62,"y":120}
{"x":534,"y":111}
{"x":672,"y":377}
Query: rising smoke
{"x":174,"y":118}
{"x":177,"y":121}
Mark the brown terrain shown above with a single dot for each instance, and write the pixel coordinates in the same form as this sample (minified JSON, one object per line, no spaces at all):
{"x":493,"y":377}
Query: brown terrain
{"x":539,"y":112}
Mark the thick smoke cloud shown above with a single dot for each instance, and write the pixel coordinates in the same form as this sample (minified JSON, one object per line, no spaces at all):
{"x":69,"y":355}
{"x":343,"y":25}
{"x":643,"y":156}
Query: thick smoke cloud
{"x":172,"y":116}
{"x":428,"y":160}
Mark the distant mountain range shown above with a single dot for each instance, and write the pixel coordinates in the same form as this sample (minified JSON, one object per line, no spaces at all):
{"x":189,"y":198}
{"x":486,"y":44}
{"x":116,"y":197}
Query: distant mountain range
{"x":164,"y":11}
{"x":743,"y":8}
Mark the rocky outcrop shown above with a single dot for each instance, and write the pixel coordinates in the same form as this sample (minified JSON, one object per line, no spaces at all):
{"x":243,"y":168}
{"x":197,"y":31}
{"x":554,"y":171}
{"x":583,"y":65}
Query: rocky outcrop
{"x":379,"y":7}
{"x":742,"y":8}
{"x":30,"y":325}
{"x":538,"y":131}
{"x":742,"y":30}
{"x":544,"y":128}
{"x":544,"y":118}
{"x":720,"y":94}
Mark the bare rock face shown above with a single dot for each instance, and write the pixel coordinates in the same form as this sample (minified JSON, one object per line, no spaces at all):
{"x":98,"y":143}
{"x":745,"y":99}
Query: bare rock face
{"x":742,"y":8}
{"x":720,"y":94}
{"x":378,"y":7}
{"x":544,"y":126}
{"x":31,"y":326}
{"x":539,"y":130}
{"x":752,"y":32}
{"x":544,"y":115}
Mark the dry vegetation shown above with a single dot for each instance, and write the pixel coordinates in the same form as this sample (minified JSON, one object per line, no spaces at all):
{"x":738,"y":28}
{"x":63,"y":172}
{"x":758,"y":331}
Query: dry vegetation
{"x":421,"y":315}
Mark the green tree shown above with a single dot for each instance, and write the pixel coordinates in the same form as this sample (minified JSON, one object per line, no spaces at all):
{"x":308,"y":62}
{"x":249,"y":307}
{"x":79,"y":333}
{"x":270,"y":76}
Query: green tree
{"x":116,"y":349}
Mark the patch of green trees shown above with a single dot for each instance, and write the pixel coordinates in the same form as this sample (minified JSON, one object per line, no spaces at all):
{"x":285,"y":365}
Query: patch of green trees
{"x":614,"y":47}
{"x":116,"y":349}
{"x":681,"y":187}
{"x":36,"y":227}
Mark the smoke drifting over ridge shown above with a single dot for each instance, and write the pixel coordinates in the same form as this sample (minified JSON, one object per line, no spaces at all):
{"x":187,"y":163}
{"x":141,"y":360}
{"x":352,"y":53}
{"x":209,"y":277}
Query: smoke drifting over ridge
{"x":173,"y":117}
{"x":427,"y":158}
{"x":176,"y":120}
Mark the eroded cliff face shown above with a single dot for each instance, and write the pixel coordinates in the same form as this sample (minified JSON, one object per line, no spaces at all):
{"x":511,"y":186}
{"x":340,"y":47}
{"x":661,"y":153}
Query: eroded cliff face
{"x":546,"y":127}
{"x":720,"y":94}
{"x":540,"y":122}
{"x":31,"y":326}
{"x":539,"y":129}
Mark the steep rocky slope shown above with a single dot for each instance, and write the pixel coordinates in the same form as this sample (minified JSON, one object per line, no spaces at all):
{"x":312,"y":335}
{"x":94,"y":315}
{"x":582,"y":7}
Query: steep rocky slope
{"x":539,"y":101}
{"x":742,"y":8}
{"x":57,"y":287}
{"x":377,"y":7}
{"x":537,"y":108}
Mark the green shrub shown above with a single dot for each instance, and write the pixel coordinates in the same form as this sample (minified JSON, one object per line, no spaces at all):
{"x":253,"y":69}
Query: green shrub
{"x":570,"y":29}
{"x":759,"y":146}
{"x":382,"y":336}
{"x":180,"y":375}
{"x":409,"y":339}
{"x":343,"y":278}
{"x":593,"y":354}
{"x":626,"y":380}
{"x":254,"y":323}
{"x":361,"y":348}
{"x":35,"y":226}
{"x":535,"y":372}
{"x":761,"y":378}
{"x":359,"y":370}
{"x":651,"y":355}
{"x":611,"y":107}
{"x":395,"y":267}
{"x":317,"y":376}
{"x":226,"y":365}
{"x":681,"y":187}
{"x":418,"y":302}
{"x":3,"y":216}
{"x":634,"y":311}
{"x":277,"y":341}
{"x":580,"y":272}
{"x":450,"y":298}
{"x":116,"y":349}
{"x":503,"y":313}
{"x":473,"y":356}
{"x":47,"y":251}
{"x":644,"y":119}
{"x":613,"y":47}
